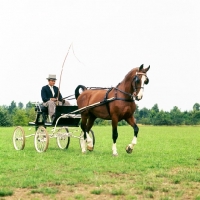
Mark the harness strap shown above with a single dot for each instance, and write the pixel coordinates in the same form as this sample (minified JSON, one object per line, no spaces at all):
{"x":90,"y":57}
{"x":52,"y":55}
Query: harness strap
{"x":106,"y":102}
{"x":130,"y":95}
{"x":128,"y":100}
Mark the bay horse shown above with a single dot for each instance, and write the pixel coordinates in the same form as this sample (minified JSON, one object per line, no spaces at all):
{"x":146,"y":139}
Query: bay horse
{"x":115,"y":103}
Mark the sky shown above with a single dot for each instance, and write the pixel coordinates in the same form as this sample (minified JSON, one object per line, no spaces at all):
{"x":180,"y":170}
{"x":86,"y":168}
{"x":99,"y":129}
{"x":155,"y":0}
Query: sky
{"x":109,"y":38}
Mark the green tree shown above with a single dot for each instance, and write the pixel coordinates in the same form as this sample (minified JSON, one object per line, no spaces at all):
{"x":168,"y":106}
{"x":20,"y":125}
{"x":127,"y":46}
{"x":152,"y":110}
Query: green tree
{"x":153,"y":113}
{"x":176,"y":116}
{"x":31,"y":114}
{"x":12,"y":108}
{"x":162,"y":118}
{"x":20,"y":105}
{"x":5,"y":118}
{"x":122,"y":123}
{"x":187,"y":116}
{"x":155,"y":108}
{"x":30,"y":111}
{"x":29,"y":105}
{"x":20,"y":118}
{"x":143,"y":116}
{"x":195,"y":117}
{"x":196,"y":107}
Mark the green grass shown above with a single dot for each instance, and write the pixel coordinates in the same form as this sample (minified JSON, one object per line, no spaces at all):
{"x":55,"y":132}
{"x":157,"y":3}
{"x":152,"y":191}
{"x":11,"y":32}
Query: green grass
{"x":165,"y":164}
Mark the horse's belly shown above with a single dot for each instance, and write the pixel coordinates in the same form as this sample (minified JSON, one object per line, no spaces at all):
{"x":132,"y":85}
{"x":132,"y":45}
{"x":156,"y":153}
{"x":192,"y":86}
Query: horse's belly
{"x":101,"y":112}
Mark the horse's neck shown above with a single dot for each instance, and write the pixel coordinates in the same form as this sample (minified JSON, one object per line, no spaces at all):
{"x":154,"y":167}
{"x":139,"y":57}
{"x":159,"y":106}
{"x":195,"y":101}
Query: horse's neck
{"x":126,"y":84}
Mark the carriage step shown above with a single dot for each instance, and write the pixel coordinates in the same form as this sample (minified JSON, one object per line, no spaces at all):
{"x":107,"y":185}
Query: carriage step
{"x":31,"y":123}
{"x":48,"y":123}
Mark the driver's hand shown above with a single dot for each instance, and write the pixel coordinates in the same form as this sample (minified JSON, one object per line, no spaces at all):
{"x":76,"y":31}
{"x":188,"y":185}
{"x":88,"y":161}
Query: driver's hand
{"x":53,"y":99}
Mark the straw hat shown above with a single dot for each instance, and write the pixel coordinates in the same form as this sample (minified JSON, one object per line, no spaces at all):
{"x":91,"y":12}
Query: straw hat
{"x":52,"y":76}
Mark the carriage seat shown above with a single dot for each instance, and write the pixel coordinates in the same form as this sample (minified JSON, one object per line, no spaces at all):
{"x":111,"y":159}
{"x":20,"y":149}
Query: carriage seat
{"x":41,"y":116}
{"x":39,"y":108}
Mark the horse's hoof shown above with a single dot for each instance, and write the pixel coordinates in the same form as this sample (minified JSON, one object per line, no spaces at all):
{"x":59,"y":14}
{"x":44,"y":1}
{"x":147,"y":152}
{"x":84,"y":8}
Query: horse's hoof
{"x":115,"y":154}
{"x":90,"y":148}
{"x":83,"y":152}
{"x":128,"y":149}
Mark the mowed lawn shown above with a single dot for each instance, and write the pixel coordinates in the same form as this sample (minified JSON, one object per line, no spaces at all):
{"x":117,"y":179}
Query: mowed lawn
{"x":165,"y":164}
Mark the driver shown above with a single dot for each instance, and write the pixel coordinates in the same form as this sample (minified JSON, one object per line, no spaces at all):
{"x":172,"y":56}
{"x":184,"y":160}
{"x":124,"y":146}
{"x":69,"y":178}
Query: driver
{"x":51,"y":96}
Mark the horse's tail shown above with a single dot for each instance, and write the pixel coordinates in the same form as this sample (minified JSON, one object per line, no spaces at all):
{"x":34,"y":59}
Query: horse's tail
{"x":77,"y":90}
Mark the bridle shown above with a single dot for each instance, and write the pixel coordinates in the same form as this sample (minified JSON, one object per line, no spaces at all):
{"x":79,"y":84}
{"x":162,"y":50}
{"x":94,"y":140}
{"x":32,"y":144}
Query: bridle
{"x":136,"y":80}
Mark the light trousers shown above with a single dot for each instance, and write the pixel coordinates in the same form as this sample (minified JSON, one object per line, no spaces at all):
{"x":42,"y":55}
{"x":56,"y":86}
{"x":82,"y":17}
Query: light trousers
{"x":52,"y":106}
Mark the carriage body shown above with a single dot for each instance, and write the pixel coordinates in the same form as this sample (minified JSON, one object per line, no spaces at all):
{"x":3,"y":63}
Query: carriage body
{"x":68,"y":119}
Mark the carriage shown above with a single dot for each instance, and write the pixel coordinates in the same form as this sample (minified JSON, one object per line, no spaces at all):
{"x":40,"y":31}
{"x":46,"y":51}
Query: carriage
{"x":63,"y":127}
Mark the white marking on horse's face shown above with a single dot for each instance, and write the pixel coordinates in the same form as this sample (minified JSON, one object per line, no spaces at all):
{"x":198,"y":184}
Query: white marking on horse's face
{"x":140,"y":93}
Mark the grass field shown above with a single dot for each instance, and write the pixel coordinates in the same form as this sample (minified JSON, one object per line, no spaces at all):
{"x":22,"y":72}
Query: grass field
{"x":165,"y":164}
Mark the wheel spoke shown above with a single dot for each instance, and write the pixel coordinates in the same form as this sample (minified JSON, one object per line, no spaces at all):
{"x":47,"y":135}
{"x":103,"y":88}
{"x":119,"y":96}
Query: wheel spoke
{"x":41,"y":140}
{"x":63,"y":138}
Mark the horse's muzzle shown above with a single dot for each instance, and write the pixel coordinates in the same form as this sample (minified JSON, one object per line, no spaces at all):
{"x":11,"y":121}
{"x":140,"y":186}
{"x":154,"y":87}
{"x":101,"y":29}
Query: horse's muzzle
{"x":138,"y":98}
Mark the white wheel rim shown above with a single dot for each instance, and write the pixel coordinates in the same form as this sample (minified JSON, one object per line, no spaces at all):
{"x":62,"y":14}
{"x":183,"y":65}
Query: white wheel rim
{"x":18,"y":138}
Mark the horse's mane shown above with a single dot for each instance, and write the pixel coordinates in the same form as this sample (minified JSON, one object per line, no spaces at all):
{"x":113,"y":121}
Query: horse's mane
{"x":130,"y":73}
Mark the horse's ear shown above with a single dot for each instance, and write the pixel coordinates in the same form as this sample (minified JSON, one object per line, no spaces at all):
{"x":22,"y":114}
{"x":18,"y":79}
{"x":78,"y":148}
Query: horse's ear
{"x":147,"y":69}
{"x":141,"y":67}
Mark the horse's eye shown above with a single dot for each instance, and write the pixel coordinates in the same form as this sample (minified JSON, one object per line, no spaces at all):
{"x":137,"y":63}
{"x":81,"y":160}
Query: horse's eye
{"x":146,"y":81}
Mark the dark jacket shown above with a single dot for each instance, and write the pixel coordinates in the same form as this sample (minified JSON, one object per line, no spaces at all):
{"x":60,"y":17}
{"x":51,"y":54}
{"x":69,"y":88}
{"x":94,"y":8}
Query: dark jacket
{"x":46,"y":93}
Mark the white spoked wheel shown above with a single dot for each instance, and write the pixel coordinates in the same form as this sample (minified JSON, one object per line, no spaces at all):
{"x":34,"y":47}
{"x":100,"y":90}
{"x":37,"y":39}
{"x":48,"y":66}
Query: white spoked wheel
{"x":19,"y":138}
{"x":92,"y":138}
{"x":41,"y":140}
{"x":63,"y":138}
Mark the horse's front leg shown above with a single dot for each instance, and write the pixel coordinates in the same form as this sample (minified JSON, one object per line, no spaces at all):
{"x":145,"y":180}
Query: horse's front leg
{"x":114,"y":137}
{"x":132,"y":122}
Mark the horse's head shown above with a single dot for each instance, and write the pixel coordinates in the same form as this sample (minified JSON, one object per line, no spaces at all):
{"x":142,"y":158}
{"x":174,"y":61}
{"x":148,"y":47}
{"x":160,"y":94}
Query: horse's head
{"x":139,"y":80}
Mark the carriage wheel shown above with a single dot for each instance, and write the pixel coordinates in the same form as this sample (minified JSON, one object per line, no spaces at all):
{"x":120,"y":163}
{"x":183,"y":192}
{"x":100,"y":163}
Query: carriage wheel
{"x":19,"y":138}
{"x":41,"y":140}
{"x":91,"y":134}
{"x":63,"y":138}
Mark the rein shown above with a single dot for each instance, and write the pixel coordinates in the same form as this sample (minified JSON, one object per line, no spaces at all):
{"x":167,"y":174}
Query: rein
{"x":130,"y":95}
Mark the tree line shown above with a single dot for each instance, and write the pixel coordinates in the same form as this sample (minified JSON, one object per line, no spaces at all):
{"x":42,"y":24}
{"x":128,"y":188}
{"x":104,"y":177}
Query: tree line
{"x":17,"y":115}
{"x":20,"y":115}
{"x":154,"y":116}
{"x":157,"y":117}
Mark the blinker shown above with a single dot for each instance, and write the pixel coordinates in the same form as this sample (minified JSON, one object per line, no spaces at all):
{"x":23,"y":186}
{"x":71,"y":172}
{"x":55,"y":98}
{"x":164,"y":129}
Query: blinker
{"x":136,"y":79}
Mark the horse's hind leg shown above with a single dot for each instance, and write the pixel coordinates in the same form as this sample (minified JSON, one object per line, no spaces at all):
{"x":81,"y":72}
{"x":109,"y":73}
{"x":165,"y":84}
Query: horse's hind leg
{"x":83,"y":127}
{"x":132,"y":122}
{"x":90,"y":123}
